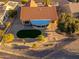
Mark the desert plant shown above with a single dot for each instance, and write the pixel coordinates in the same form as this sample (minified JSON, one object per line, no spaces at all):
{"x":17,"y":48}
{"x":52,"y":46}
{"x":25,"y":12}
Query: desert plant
{"x":41,"y":38}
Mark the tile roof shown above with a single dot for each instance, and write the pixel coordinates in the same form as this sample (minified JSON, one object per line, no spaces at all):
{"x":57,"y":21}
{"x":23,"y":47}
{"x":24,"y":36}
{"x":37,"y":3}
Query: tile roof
{"x":38,"y":13}
{"x":74,"y":7}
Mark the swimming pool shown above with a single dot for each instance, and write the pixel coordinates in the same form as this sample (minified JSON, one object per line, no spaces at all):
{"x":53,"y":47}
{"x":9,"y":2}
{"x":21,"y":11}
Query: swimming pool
{"x":31,"y":33}
{"x":40,"y":22}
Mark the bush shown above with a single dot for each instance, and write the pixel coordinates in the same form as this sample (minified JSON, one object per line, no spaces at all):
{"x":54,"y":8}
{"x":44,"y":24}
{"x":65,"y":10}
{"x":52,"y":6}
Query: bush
{"x":34,"y":45}
{"x":41,"y":38}
{"x":47,"y":2}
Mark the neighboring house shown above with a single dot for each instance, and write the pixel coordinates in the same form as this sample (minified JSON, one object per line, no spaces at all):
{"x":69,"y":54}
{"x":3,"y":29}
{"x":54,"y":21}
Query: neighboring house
{"x":10,"y":5}
{"x":5,"y":1}
{"x":1,"y":14}
{"x":73,"y":9}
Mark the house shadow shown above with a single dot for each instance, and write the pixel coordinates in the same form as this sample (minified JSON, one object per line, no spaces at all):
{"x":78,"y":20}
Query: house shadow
{"x":38,"y":54}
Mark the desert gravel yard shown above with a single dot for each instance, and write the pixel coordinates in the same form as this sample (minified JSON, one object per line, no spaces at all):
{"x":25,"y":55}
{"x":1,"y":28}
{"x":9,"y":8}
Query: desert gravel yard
{"x":73,"y":47}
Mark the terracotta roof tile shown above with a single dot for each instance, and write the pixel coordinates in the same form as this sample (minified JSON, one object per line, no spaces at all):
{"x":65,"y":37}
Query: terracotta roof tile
{"x":38,"y":13}
{"x":74,"y":7}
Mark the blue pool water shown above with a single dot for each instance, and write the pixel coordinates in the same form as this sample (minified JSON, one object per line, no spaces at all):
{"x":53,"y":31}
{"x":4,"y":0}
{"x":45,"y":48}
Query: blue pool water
{"x":40,"y":22}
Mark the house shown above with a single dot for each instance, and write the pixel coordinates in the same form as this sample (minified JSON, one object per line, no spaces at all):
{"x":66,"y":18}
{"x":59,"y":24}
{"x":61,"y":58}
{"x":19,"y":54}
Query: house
{"x":72,"y":9}
{"x":10,"y":5}
{"x":38,"y":15}
{"x":30,"y":13}
{"x":36,"y":12}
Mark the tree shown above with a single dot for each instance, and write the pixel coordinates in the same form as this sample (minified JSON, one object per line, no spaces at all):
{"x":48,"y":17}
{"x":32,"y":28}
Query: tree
{"x":68,"y":24}
{"x":33,"y":3}
{"x":46,"y":2}
{"x":41,"y":38}
{"x":76,"y":25}
{"x":12,"y":13}
{"x":24,"y":1}
{"x":61,"y":22}
{"x":7,"y":38}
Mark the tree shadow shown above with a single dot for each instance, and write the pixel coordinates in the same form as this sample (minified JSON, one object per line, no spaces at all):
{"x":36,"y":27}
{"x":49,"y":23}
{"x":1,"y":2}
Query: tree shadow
{"x":15,"y":46}
{"x":31,"y":40}
{"x":64,"y":42}
{"x":38,"y":53}
{"x":64,"y":54}
{"x":57,"y":47}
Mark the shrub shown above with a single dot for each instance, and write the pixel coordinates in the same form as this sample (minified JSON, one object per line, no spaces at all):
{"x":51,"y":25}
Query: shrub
{"x":34,"y":45}
{"x":41,"y":38}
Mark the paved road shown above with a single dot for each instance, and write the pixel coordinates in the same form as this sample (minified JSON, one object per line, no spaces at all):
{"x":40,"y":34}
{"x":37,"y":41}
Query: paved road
{"x":9,"y":56}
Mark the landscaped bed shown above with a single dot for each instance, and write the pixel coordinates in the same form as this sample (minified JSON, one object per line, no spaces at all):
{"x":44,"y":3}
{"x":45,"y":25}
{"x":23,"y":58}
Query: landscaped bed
{"x":28,"y":33}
